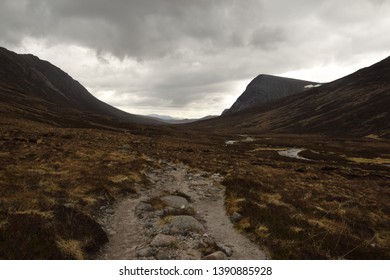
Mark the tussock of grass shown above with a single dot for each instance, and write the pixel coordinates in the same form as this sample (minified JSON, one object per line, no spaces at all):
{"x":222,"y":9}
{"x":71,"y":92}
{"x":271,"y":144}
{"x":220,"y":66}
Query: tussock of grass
{"x":72,"y":248}
{"x":369,"y":160}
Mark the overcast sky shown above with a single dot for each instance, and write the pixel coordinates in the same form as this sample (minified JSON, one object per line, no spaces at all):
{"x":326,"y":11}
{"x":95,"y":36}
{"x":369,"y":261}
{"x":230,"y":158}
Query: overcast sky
{"x":191,"y":58}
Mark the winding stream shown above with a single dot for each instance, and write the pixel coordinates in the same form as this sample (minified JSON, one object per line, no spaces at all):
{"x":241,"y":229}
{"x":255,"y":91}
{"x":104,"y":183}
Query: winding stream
{"x":293,"y":153}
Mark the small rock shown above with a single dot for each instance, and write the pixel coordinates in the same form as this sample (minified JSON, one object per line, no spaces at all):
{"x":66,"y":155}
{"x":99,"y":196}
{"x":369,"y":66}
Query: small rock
{"x":236,"y":217}
{"x":110,"y":211}
{"x":226,"y":249}
{"x":219,"y":255}
{"x":144,"y":207}
{"x":148,"y":225}
{"x":175,"y":201}
{"x":125,"y":147}
{"x":145,"y":252}
{"x":162,"y":240}
{"x":163,"y":256}
{"x":185,"y":224}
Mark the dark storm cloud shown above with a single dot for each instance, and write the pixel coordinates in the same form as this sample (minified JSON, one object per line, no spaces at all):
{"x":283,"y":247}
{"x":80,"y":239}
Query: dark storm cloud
{"x":139,"y":28}
{"x":194,"y":50}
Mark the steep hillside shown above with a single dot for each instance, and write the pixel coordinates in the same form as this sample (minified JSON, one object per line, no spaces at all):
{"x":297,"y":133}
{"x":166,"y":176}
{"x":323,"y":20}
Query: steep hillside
{"x":357,"y":105}
{"x":35,"y":87}
{"x":265,"y":89}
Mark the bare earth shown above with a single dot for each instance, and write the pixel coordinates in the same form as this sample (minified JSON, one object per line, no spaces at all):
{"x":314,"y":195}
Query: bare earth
{"x":131,"y":231}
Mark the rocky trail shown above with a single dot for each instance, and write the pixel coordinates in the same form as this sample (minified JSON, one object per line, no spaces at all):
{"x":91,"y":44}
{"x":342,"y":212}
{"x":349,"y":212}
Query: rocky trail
{"x":180,"y":216}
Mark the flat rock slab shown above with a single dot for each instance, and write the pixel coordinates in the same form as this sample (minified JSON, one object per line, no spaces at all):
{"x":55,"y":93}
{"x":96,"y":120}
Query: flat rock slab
{"x":184,"y":224}
{"x":175,"y":201}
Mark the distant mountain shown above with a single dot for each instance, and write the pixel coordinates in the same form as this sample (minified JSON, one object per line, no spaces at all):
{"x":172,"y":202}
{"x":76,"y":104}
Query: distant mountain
{"x":161,"y":117}
{"x":356,"y":105}
{"x":36,"y":88}
{"x":265,"y":89}
{"x":171,"y":120}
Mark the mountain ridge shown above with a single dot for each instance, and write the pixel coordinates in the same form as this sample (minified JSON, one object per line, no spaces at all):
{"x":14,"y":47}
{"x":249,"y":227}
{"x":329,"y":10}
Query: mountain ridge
{"x":265,"y":89}
{"x":29,"y":79}
{"x":354,"y":105}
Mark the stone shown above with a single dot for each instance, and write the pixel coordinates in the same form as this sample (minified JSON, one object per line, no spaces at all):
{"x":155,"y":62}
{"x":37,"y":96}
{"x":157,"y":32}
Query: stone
{"x":148,"y":225}
{"x":110,"y":211}
{"x":226,"y":249}
{"x":175,"y":201}
{"x":235,"y":217}
{"x":162,"y":240}
{"x":163,"y":256}
{"x":145,"y":252}
{"x":126,"y":147}
{"x":144,"y":207}
{"x":185,"y":224}
{"x":218,"y":255}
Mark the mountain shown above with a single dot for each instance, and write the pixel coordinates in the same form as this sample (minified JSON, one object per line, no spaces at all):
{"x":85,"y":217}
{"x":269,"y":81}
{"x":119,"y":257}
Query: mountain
{"x":355,"y":105}
{"x":265,"y":89}
{"x":162,"y":117}
{"x":34,"y":87}
{"x":171,"y":120}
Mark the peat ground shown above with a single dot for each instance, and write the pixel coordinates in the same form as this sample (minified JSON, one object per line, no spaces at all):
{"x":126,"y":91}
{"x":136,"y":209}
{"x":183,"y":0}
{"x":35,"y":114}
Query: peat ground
{"x":54,"y":182}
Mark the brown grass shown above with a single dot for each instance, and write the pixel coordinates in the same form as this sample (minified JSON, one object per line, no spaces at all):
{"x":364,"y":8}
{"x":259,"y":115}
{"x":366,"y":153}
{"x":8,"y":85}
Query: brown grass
{"x":53,"y":181}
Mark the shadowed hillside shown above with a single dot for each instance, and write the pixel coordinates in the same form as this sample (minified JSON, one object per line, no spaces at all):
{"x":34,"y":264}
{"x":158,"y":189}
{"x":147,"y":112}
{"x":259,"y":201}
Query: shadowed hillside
{"x":265,"y":89}
{"x":357,"y":104}
{"x":34,"y":87}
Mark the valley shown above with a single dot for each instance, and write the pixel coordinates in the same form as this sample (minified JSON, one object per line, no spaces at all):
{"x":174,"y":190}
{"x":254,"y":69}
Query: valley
{"x":302,"y":177}
{"x":334,"y":206}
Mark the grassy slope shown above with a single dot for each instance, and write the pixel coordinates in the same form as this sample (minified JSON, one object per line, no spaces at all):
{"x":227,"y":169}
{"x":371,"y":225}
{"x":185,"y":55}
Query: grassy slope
{"x":52,"y":182}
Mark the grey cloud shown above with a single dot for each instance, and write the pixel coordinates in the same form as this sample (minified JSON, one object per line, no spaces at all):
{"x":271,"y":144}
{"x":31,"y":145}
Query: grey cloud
{"x":195,"y":50}
{"x":268,"y":37}
{"x":139,"y":28}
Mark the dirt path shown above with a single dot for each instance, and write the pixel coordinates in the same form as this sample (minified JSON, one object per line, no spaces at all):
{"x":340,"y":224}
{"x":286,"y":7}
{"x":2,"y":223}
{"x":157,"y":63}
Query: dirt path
{"x":140,"y":230}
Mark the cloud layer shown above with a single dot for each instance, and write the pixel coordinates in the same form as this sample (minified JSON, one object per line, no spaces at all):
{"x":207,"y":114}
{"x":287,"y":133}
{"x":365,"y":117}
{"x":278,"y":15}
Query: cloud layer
{"x":191,"y":58}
